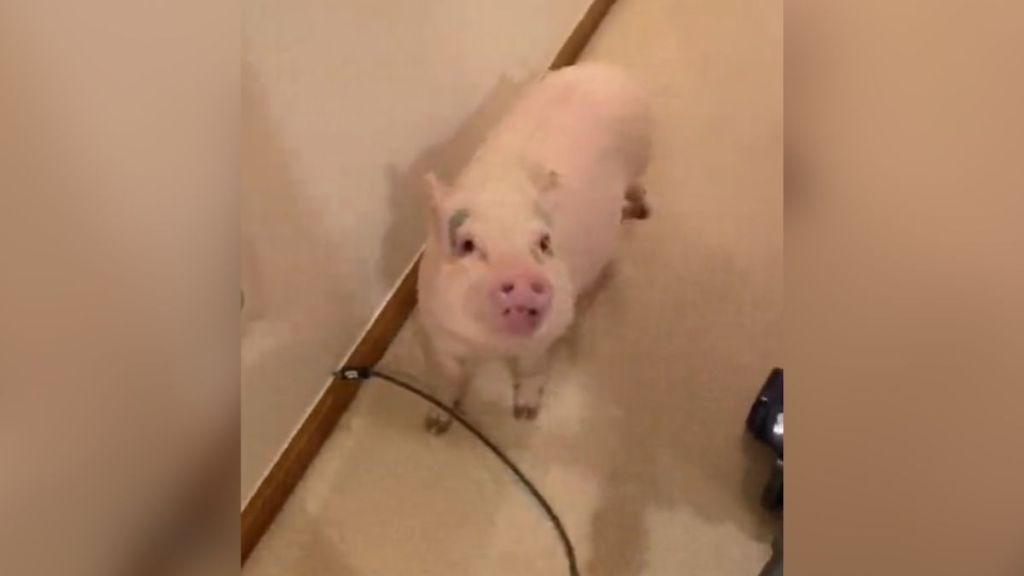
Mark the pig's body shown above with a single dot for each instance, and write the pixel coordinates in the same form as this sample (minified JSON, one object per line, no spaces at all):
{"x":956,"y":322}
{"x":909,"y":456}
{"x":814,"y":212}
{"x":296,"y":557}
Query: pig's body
{"x":590,"y":125}
{"x":560,"y":162}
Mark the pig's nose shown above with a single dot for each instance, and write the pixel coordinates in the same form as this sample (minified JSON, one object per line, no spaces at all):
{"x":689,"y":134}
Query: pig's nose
{"x":522,"y":301}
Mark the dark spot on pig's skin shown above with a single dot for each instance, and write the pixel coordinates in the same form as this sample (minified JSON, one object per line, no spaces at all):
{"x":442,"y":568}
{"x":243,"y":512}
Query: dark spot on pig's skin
{"x":457,"y":219}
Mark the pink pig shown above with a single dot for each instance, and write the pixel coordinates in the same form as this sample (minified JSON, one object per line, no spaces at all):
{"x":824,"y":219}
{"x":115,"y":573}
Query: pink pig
{"x":529,"y":225}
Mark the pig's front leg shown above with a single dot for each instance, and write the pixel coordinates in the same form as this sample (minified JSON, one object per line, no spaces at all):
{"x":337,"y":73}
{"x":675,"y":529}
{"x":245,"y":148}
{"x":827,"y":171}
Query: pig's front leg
{"x":450,"y":378}
{"x":531,"y":371}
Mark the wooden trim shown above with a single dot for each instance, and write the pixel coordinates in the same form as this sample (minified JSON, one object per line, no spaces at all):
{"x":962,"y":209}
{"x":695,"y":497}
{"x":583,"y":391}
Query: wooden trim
{"x":581,"y":34}
{"x":284,"y":475}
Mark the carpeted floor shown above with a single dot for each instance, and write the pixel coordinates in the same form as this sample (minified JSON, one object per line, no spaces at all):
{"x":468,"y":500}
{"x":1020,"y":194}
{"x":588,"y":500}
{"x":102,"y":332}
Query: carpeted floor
{"x":640,"y":443}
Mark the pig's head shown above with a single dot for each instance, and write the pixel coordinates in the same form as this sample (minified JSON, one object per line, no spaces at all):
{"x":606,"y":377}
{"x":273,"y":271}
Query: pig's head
{"x":498,"y":267}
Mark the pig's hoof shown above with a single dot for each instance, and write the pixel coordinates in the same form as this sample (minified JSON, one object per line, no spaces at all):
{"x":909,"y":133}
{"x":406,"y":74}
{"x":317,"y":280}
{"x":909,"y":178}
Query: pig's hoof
{"x":636,"y":207}
{"x":437,"y":423}
{"x":525,"y":411}
{"x":636,"y":213}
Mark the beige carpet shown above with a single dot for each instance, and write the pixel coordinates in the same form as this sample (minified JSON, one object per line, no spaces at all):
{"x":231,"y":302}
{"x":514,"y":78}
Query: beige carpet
{"x":640,"y":444}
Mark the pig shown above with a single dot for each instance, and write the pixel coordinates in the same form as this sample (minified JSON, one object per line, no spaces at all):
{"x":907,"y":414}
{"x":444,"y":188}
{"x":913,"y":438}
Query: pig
{"x":529,"y":224}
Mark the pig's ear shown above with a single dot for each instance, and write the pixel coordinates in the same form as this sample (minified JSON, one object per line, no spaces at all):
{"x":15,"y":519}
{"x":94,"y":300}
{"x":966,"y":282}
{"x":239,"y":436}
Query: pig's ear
{"x":544,"y":178}
{"x":437,"y":190}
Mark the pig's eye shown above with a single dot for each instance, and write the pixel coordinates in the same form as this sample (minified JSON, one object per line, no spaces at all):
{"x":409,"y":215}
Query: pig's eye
{"x":545,"y":244}
{"x":466,"y":247}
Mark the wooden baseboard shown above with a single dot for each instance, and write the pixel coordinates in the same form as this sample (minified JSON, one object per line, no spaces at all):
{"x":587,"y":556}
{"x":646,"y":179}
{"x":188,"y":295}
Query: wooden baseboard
{"x":284,"y":475}
{"x":574,"y":45}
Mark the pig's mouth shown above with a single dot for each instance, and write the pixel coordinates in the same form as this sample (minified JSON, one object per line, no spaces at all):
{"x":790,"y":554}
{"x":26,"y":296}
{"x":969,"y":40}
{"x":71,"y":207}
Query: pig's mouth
{"x":521,"y":321}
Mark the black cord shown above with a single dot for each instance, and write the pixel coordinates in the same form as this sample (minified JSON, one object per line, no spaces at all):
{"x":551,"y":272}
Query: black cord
{"x":570,"y":552}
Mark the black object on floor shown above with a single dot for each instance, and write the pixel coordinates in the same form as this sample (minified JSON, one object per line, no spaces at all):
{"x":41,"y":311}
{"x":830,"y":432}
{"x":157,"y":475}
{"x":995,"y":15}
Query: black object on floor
{"x":774,"y":565}
{"x":570,"y":552}
{"x":765,"y":423}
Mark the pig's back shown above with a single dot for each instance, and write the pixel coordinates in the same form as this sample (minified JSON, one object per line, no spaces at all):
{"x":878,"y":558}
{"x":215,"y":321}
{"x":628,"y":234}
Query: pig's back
{"x":590,"y":124}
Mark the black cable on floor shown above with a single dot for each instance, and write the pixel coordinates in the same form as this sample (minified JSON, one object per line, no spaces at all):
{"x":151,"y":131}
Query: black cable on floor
{"x":570,"y":552}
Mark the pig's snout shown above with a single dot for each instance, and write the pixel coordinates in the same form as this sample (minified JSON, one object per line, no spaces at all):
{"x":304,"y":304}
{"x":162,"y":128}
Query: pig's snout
{"x":521,"y":302}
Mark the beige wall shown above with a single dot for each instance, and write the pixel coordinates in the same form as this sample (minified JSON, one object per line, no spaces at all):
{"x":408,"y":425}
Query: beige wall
{"x":344,"y":105}
{"x":117,"y":241}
